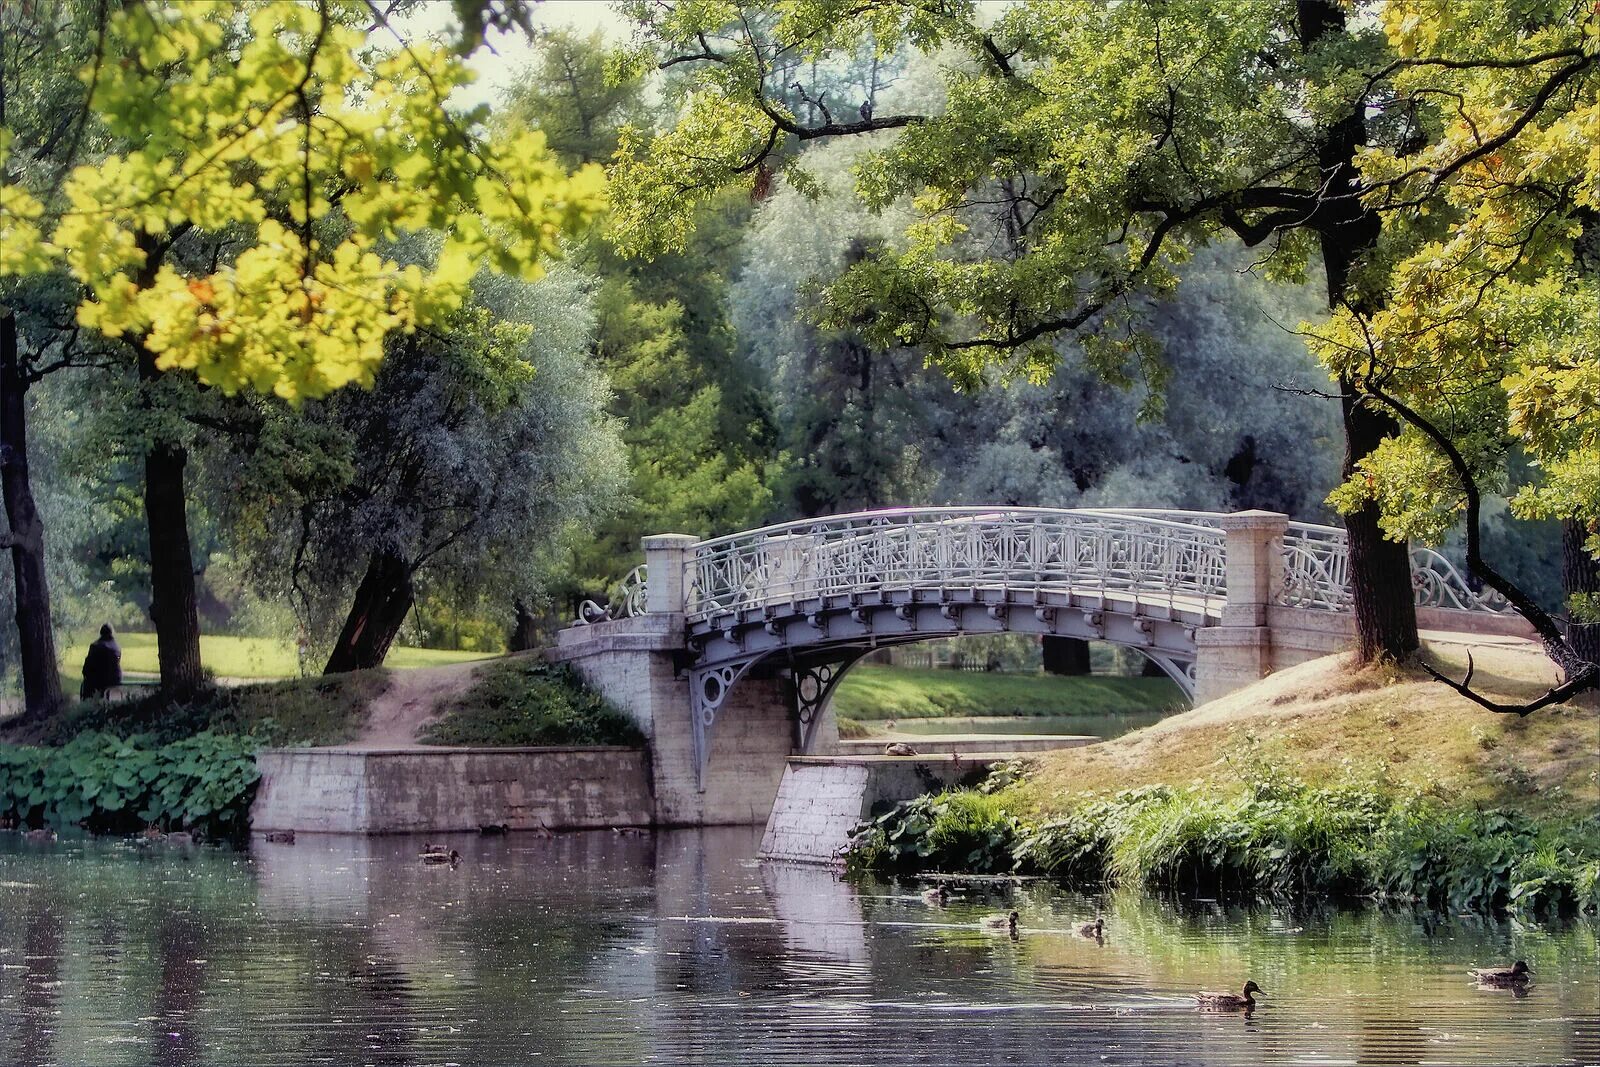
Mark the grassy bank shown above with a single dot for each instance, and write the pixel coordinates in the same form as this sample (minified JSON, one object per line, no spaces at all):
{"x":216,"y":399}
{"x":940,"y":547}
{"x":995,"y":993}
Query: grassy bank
{"x":1321,"y":780}
{"x":524,"y":701}
{"x":246,"y":657}
{"x":877,"y":691}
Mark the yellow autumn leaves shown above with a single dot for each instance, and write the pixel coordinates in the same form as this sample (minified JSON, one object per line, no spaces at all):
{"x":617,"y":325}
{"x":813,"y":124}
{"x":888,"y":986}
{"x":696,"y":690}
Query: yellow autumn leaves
{"x":296,"y":150}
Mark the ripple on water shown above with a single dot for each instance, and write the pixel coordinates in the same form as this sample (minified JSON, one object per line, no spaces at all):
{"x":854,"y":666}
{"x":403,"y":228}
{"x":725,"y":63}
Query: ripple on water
{"x":595,"y":949}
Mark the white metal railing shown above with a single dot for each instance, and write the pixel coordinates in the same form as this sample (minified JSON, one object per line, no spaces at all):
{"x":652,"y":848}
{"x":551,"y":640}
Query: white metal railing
{"x":626,"y":603}
{"x":1176,"y":557}
{"x":1020,"y":549}
{"x":1316,"y":574}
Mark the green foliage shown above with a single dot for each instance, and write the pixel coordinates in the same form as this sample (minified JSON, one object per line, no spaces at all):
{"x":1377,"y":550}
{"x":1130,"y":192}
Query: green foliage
{"x":960,"y":831}
{"x":852,"y":729}
{"x":528,"y":702}
{"x":110,"y":784}
{"x":1277,"y":838}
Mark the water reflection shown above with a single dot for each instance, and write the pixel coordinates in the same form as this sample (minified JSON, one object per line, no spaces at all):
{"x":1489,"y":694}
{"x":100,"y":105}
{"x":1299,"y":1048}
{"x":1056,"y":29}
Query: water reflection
{"x":680,"y":947}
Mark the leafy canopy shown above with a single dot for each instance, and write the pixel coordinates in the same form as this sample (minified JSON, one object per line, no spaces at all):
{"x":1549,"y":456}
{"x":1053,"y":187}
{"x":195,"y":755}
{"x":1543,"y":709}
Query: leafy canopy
{"x":1492,"y":334}
{"x":280,"y":127}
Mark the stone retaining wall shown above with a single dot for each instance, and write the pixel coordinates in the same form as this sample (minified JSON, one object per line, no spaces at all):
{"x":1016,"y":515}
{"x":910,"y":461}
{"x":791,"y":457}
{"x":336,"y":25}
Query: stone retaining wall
{"x":822,"y":798}
{"x":438,"y":790}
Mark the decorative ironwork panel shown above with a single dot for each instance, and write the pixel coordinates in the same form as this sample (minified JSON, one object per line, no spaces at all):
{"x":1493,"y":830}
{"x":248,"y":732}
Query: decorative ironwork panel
{"x":1150,"y":556}
{"x":625,"y":604}
{"x":1316,"y":574}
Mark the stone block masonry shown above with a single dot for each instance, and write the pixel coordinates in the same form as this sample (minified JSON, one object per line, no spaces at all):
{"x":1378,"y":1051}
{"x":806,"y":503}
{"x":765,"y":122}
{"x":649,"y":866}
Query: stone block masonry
{"x":823,"y":798}
{"x":441,"y":790}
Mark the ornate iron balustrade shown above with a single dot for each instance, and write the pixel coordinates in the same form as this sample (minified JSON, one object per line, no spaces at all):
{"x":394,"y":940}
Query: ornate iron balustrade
{"x":1154,"y":554}
{"x":1316,"y":574}
{"x":1086,"y":551}
{"x":627,"y":603}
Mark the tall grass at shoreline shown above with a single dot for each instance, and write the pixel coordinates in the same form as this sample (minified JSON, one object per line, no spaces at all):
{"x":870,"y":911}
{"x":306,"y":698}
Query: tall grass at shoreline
{"x":1276,"y":838}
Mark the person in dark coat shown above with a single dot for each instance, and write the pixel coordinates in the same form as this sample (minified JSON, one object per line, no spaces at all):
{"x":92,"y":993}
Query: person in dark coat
{"x":102,"y":667}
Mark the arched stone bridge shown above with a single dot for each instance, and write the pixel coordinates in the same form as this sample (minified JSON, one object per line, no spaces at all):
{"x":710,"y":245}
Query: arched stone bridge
{"x":781,"y":613}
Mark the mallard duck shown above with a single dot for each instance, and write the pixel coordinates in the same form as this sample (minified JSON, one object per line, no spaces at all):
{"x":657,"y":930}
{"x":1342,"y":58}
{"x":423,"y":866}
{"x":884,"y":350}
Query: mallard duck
{"x":281,"y":837}
{"x":1210,"y":1001}
{"x":1006,"y":923}
{"x":898,"y":748}
{"x":629,"y":831}
{"x":440,"y":857}
{"x":1096,"y":929}
{"x":1516,"y":974}
{"x":42,"y":834}
{"x":937,"y":897}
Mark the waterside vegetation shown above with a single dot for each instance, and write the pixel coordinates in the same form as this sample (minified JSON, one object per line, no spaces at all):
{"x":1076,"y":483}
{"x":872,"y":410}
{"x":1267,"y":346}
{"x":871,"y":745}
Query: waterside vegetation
{"x":1284,"y":791}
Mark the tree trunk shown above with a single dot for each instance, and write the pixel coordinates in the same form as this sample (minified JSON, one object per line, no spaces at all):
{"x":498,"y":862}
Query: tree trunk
{"x":173,"y":609}
{"x":1580,"y":577}
{"x":1380,"y":569}
{"x":379,"y":610}
{"x":526,"y":634}
{"x":1065,"y":655}
{"x":41,"y":680}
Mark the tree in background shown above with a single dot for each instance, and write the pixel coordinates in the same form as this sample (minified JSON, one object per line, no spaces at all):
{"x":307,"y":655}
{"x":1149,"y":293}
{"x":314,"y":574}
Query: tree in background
{"x":255,"y":157}
{"x":701,"y":443}
{"x":1082,"y":151}
{"x":482,"y":437}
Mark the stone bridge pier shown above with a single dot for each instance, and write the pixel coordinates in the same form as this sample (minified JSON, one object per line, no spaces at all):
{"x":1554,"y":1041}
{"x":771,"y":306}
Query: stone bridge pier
{"x":641,"y":664}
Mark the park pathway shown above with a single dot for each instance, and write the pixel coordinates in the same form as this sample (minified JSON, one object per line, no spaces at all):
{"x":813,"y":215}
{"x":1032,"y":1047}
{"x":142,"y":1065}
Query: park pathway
{"x":412,"y":701}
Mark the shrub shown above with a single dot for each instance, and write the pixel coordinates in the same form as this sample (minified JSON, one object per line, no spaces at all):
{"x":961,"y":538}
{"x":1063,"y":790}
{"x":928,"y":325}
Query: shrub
{"x":526,"y":702}
{"x":111,"y":784}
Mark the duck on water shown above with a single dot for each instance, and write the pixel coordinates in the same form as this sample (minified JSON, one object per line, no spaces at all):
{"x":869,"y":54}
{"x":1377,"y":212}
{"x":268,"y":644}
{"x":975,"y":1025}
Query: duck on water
{"x":1207,"y":1000}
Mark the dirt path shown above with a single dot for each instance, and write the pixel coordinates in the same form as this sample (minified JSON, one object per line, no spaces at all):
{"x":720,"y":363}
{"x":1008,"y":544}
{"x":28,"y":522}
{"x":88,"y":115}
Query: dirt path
{"x":400,"y":713}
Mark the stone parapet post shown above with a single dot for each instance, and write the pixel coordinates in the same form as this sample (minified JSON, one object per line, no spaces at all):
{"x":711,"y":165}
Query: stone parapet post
{"x":1237,"y":652}
{"x":1254,"y":550}
{"x":666,"y":559}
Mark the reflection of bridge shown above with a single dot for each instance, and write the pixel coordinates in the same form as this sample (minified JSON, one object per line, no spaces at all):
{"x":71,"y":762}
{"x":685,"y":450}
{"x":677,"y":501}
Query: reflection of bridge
{"x":761,"y":626}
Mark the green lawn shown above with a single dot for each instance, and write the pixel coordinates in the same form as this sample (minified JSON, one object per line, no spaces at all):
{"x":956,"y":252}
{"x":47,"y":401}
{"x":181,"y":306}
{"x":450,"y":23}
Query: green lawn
{"x":244,"y":657}
{"x":875,"y":691}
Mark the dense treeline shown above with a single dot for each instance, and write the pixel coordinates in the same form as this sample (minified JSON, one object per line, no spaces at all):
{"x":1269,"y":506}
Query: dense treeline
{"x":841,"y":269}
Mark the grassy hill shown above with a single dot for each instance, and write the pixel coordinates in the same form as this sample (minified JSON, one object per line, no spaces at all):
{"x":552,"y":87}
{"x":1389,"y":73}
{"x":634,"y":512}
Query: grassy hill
{"x":1326,"y":722}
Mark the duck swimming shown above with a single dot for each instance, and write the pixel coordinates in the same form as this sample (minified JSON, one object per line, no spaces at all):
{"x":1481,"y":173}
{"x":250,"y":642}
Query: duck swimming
{"x":937,"y":897}
{"x":1210,"y":1001}
{"x":439,"y":857}
{"x":1096,"y":929}
{"x":1516,"y":974}
{"x":1005,"y":923}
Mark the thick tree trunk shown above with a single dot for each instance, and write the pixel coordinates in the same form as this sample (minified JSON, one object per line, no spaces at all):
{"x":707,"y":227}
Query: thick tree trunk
{"x":173,"y":608}
{"x":1065,"y":655}
{"x":1580,"y":576}
{"x":526,"y":634}
{"x":1380,"y":569}
{"x":379,"y":610}
{"x":41,"y":682}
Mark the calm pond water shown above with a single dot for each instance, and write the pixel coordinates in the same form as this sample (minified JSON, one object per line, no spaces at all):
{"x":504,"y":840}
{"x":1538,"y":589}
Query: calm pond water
{"x":1106,"y":725}
{"x":594,"y":948}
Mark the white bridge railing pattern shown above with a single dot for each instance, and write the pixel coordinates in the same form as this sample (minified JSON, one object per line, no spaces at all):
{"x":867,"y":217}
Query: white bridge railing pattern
{"x":1018,"y":549}
{"x":1172,"y":558}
